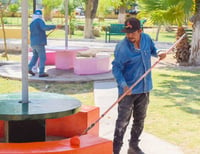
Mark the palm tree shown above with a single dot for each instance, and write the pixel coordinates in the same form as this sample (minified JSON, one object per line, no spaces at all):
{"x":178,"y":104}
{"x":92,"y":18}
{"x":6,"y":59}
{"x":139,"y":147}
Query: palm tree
{"x":195,"y":49}
{"x":169,"y":12}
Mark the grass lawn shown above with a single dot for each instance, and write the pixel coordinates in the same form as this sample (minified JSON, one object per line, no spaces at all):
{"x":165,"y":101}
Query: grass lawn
{"x":174,"y":110}
{"x":83,"y":92}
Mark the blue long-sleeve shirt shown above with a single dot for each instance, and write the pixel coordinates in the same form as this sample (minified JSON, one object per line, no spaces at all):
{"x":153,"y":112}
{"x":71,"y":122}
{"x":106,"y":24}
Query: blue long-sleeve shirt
{"x":38,"y":34}
{"x":130,"y":64}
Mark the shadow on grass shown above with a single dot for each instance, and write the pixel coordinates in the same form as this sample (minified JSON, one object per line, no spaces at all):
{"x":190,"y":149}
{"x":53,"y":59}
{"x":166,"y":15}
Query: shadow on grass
{"x":182,"y":88}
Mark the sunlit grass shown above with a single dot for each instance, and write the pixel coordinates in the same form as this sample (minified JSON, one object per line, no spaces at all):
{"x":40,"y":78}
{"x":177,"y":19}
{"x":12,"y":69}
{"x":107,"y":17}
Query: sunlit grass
{"x":174,"y":110}
{"x":83,"y":92}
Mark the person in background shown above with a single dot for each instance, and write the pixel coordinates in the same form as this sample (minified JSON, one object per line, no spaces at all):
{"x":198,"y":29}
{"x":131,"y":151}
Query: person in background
{"x":38,"y":41}
{"x":132,"y":58}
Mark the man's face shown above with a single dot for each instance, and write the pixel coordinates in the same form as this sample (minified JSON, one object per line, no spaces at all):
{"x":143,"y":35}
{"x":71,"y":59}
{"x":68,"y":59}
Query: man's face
{"x":134,"y":37}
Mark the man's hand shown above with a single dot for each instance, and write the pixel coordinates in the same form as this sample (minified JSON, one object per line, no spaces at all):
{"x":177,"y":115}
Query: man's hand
{"x":60,"y":27}
{"x":126,"y":89}
{"x":162,"y":54}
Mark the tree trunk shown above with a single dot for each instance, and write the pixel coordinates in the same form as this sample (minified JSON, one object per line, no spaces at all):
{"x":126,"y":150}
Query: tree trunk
{"x":88,"y":29}
{"x":195,"y":49}
{"x":5,"y":54}
{"x":2,"y":9}
{"x":90,"y":13}
{"x":122,"y":15}
{"x":182,"y":49}
{"x":157,"y":33}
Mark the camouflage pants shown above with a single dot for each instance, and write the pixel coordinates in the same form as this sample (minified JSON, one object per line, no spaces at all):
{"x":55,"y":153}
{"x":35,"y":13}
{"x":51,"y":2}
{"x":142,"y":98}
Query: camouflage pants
{"x":133,"y":105}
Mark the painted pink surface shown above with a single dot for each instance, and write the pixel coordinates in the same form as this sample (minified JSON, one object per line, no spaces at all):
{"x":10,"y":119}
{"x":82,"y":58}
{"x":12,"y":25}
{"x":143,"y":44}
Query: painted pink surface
{"x":50,"y":57}
{"x":65,"y":60}
{"x":92,"y":65}
{"x":65,"y":56}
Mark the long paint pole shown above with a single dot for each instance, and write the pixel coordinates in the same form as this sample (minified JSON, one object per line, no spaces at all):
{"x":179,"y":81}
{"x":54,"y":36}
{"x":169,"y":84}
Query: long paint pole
{"x":133,"y":85}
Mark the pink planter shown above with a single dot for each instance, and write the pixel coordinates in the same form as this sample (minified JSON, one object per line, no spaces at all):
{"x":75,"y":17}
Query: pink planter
{"x":65,"y":60}
{"x":92,"y":65}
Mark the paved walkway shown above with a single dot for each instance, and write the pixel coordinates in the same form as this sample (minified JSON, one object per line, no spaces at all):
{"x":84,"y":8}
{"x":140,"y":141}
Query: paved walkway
{"x":13,"y":70}
{"x":105,"y":93}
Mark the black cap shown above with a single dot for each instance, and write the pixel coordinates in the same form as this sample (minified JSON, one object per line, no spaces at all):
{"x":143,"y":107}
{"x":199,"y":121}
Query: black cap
{"x":131,"y":25}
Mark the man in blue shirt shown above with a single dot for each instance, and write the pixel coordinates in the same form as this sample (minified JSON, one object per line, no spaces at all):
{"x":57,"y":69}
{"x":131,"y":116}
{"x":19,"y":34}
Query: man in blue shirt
{"x":132,"y":58}
{"x":38,"y":39}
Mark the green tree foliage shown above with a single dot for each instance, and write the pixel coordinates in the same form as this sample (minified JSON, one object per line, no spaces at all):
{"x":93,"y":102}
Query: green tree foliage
{"x":14,"y":7}
{"x":103,"y":8}
{"x":163,"y":12}
{"x":49,"y":5}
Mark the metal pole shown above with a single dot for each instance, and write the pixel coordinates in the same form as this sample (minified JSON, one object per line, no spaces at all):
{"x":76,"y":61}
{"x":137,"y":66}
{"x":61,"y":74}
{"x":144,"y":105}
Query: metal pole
{"x":24,"y":47}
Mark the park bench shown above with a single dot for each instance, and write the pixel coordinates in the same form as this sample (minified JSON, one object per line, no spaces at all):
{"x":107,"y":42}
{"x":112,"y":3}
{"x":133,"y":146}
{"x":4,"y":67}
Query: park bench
{"x":113,"y":29}
{"x":116,"y":29}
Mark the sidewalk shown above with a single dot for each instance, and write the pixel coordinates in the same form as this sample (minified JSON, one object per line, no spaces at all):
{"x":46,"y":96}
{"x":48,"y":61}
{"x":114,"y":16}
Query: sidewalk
{"x":15,"y":44}
{"x":105,"y":93}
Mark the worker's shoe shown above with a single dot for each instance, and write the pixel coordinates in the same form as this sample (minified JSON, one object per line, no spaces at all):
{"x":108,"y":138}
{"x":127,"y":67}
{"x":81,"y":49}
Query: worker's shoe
{"x":31,"y":72}
{"x":43,"y":75}
{"x":135,"y":150}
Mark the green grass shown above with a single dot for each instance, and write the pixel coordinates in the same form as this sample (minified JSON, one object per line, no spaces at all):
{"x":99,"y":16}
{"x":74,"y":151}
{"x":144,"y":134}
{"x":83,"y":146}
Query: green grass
{"x":83,"y":92}
{"x":174,"y":111}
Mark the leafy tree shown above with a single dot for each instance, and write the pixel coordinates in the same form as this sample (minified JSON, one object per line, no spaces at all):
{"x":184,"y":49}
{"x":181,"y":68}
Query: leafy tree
{"x":72,"y":4}
{"x":49,"y":5}
{"x":122,"y":6}
{"x":103,"y":8}
{"x":14,"y":7}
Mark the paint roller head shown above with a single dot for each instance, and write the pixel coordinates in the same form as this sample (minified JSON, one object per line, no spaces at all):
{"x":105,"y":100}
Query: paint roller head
{"x":75,"y":141}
